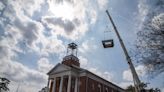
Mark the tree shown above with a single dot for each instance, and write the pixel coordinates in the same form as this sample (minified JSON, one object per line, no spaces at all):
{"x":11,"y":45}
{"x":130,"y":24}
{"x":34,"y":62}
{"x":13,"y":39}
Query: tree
{"x":45,"y":89}
{"x":150,"y":42}
{"x":4,"y":84}
{"x":132,"y":89}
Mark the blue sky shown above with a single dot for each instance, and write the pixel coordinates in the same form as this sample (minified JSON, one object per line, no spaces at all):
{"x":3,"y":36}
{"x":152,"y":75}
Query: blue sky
{"x":34,"y":35}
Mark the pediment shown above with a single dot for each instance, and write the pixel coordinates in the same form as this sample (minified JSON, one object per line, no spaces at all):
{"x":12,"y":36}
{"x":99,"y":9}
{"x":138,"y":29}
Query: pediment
{"x":59,"y":68}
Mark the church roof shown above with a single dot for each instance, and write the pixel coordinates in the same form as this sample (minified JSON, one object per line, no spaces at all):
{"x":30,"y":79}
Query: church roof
{"x":58,"y":65}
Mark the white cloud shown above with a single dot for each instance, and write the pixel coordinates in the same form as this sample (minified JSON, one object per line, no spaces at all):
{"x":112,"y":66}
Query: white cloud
{"x":102,"y":3}
{"x":70,"y":11}
{"x":23,"y":87}
{"x":125,"y":84}
{"x":70,"y":29}
{"x":17,"y":27}
{"x":17,"y":72}
{"x":106,"y":75}
{"x":1,"y":6}
{"x":127,"y":75}
{"x":87,"y":46}
{"x":44,"y":65}
{"x":29,"y":7}
{"x":30,"y":32}
{"x":22,"y":30}
{"x":141,"y":71}
{"x":83,"y":61}
{"x":52,"y":45}
{"x":143,"y":9}
{"x":76,"y":14}
{"x":162,"y":90}
{"x":147,"y":9}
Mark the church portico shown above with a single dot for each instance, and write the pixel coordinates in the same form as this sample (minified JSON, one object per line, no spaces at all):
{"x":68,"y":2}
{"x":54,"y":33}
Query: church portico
{"x":64,"y":83}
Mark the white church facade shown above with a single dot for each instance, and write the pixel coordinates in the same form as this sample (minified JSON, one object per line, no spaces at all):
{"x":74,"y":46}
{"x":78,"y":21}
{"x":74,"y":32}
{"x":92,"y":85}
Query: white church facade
{"x":68,"y":76}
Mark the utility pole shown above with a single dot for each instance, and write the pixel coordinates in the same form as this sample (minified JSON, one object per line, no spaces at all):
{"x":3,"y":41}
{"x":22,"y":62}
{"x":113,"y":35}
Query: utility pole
{"x":137,"y":82}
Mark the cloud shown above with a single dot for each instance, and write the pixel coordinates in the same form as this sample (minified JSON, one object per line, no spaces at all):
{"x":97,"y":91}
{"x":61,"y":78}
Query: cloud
{"x":143,"y":9}
{"x":66,"y":24}
{"x":16,"y":72}
{"x":87,"y":46}
{"x":19,"y":30}
{"x":52,"y":45}
{"x":67,"y":18}
{"x":127,"y":75}
{"x":162,"y":90}
{"x":71,"y":18}
{"x":147,"y":9}
{"x":30,"y":31}
{"x":44,"y":65}
{"x":18,"y":25}
{"x":62,"y":27}
{"x":83,"y":61}
{"x":106,"y":75}
{"x":29,"y":7}
{"x":102,"y":3}
{"x":140,"y":69}
{"x":25,"y":26}
{"x":125,"y":84}
{"x":2,"y":6}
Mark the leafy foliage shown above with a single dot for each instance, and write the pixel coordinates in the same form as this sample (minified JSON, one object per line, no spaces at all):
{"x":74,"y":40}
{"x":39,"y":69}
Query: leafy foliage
{"x":4,"y":84}
{"x":132,"y":89}
{"x":150,"y":42}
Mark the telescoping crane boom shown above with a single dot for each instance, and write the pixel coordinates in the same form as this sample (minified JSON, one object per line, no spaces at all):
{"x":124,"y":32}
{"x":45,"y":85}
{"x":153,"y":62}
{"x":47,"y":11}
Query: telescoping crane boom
{"x":137,"y":82}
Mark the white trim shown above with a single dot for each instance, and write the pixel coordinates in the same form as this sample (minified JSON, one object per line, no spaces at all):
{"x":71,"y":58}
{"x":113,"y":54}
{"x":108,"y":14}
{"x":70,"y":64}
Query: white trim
{"x":69,"y":72}
{"x":62,"y":66}
{"x":60,"y":74}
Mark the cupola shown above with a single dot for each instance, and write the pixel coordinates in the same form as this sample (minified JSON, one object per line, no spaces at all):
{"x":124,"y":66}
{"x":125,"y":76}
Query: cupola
{"x":71,"y":57}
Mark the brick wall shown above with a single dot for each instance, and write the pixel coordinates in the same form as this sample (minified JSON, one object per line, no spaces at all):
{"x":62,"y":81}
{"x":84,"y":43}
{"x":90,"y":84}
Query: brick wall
{"x":95,"y":86}
{"x":82,"y":87}
{"x":71,"y":62}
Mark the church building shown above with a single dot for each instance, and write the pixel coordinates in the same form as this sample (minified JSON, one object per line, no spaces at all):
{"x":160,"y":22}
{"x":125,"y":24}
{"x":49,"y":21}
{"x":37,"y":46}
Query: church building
{"x":68,"y":76}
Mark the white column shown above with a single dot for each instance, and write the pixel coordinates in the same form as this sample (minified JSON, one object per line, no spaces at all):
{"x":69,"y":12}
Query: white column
{"x":76,"y":84}
{"x":69,"y":83}
{"x":48,"y":83}
{"x":54,"y":85}
{"x":61,"y":84}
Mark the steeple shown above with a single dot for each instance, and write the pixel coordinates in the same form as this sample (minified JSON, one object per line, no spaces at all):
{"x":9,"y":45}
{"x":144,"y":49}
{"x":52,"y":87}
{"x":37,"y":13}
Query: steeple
{"x":71,"y":57}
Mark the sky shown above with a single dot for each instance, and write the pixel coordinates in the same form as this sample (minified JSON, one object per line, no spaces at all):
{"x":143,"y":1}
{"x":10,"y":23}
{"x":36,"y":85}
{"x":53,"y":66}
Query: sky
{"x":34,"y":35}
